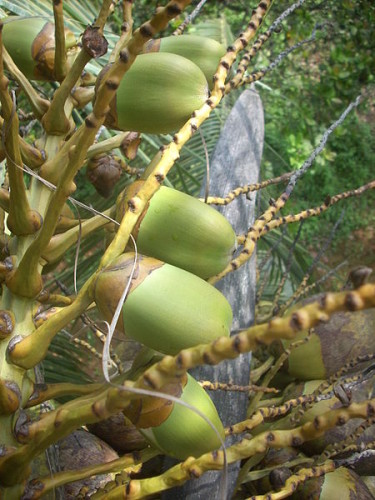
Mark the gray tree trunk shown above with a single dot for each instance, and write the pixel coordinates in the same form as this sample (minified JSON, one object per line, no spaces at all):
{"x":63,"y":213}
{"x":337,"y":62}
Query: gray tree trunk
{"x":235,"y":162}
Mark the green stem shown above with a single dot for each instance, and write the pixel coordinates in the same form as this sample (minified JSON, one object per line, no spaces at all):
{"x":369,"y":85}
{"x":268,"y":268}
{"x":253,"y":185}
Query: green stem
{"x":61,"y":243}
{"x":55,"y":121}
{"x":22,"y":311}
{"x":33,"y":348}
{"x":60,"y":52}
{"x":107,"y":145}
{"x":43,"y":392}
{"x":121,"y":464}
{"x":38,"y":105}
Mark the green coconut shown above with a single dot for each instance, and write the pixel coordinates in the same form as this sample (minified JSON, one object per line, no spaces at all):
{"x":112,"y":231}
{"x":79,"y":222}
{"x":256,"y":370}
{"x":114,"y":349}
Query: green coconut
{"x":185,"y":433}
{"x":158,"y":94}
{"x":167,"y":309}
{"x":30,"y":42}
{"x":183,"y":231}
{"x":202,"y":51}
{"x":344,"y":337}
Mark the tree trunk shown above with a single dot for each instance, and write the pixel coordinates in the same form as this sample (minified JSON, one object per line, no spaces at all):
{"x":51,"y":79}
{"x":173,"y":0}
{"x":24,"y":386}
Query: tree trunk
{"x":235,"y":162}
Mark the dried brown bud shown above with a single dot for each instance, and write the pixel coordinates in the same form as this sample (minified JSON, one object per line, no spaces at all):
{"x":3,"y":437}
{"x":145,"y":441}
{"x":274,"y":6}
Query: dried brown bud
{"x":103,"y":172}
{"x":130,"y":144}
{"x":94,"y":42}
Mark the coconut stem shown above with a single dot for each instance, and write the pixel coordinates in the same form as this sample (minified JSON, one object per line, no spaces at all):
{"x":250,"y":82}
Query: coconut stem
{"x":22,"y":220}
{"x":107,"y":145}
{"x":38,"y":104}
{"x":312,"y":212}
{"x":249,"y":188}
{"x":249,"y":55}
{"x":297,"y":479}
{"x":61,"y":243}
{"x":245,"y":61}
{"x":33,"y":348}
{"x":32,"y":156}
{"x":128,"y":461}
{"x":126,"y":29}
{"x":44,"y":392}
{"x":60,"y":52}
{"x":52,"y":121}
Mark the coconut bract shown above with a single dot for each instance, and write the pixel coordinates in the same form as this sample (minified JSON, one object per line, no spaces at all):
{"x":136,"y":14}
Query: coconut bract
{"x":158,"y":94}
{"x":167,"y":308}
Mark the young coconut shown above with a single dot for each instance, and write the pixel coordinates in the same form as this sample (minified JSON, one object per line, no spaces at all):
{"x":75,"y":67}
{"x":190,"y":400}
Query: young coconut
{"x":158,"y":94}
{"x":103,"y":171}
{"x":185,"y":433}
{"x":202,"y":51}
{"x":196,"y":237}
{"x":166,"y":309}
{"x":342,"y":484}
{"x":31,"y":44}
{"x":345,"y":336}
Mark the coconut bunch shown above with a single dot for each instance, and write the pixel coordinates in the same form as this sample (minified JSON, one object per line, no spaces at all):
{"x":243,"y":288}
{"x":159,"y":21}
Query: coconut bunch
{"x":157,"y":95}
{"x":169,"y":307}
